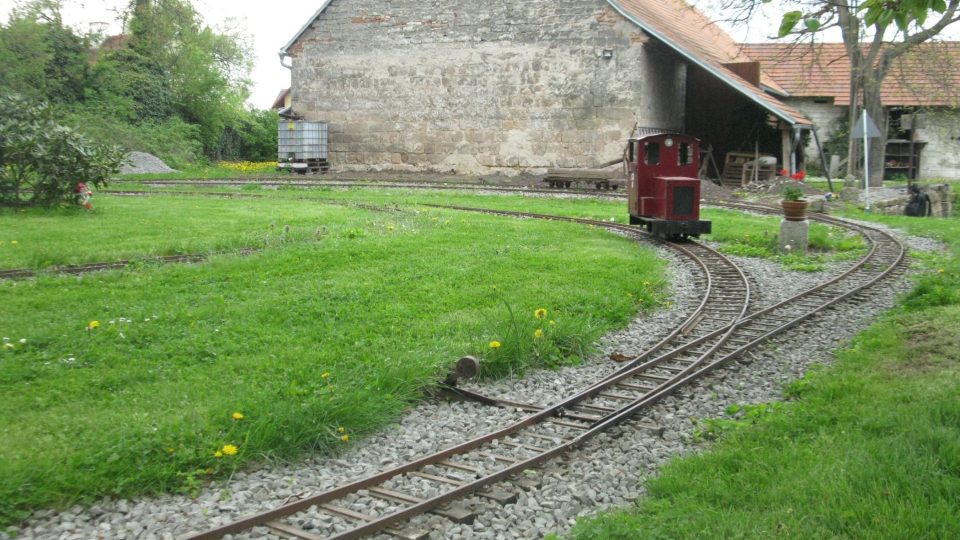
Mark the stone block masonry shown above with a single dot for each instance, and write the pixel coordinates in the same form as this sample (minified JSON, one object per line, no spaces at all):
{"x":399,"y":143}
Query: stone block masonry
{"x":480,"y":87}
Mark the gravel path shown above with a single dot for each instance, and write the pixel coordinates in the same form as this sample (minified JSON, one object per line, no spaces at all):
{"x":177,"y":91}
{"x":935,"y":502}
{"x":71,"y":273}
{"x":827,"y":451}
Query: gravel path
{"x":607,"y":471}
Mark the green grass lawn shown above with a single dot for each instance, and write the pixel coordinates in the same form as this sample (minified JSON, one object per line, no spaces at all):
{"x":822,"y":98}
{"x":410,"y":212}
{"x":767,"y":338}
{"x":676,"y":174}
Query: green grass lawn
{"x":127,"y":382}
{"x":868,"y":448}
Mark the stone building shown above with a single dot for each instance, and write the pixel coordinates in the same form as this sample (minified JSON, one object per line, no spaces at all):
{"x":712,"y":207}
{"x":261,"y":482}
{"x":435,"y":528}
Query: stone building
{"x":921,"y":97}
{"x":519,"y":86}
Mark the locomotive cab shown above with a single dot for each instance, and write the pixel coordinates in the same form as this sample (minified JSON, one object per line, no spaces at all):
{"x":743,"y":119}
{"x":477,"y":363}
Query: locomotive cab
{"x":664,"y":186}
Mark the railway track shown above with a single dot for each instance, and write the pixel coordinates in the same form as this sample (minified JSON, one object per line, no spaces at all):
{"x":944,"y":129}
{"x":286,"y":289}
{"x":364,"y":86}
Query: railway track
{"x":389,"y":185}
{"x":722,"y":328}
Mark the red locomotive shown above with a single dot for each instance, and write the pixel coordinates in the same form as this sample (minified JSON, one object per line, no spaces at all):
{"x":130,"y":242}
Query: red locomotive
{"x":663,"y":184}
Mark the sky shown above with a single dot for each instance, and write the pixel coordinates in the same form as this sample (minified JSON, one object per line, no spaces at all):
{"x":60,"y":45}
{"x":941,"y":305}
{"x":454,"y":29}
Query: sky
{"x":271,"y":26}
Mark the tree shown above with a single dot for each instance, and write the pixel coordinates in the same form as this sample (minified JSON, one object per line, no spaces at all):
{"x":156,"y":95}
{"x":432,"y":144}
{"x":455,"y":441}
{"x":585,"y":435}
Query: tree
{"x":41,"y":57}
{"x":42,"y":161}
{"x":893,"y":27}
{"x":207,"y":70}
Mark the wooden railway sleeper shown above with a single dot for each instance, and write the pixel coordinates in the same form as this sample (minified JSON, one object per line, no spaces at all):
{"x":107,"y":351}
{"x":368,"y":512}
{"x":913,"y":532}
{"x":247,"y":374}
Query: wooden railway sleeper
{"x":357,"y":516}
{"x":455,"y":513}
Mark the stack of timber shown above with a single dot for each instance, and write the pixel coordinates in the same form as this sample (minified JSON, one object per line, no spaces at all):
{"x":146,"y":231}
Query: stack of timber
{"x":600,"y":178}
{"x":738,"y":169}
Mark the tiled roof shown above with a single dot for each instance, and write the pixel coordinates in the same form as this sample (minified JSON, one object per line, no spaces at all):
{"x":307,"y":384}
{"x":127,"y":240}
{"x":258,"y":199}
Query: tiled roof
{"x":695,"y":36}
{"x":928,"y":75}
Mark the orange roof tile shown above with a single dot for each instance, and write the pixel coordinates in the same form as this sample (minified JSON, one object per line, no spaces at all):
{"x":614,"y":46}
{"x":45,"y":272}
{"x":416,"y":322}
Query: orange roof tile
{"x":928,"y":75}
{"x":694,"y":35}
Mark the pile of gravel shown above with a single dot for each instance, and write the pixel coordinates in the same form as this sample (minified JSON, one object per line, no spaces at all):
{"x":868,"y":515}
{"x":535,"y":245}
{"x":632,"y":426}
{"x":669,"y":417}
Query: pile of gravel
{"x":142,"y":162}
{"x":607,"y":471}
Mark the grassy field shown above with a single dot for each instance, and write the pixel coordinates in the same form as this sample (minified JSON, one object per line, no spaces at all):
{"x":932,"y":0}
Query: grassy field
{"x":355,"y":302}
{"x":868,"y":448}
{"x":158,"y":378}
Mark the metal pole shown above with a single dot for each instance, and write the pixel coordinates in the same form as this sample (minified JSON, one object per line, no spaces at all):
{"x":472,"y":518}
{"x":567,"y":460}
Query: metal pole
{"x":866,"y":158}
{"x":823,"y":158}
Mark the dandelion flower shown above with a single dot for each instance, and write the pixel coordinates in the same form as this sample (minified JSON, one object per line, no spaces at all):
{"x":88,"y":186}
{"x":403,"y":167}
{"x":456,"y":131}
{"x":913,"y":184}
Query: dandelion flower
{"x":14,"y":242}
{"x":341,"y":429}
{"x":325,"y":375}
{"x":8,"y":345}
{"x":218,"y":454}
{"x":940,"y":271}
{"x":538,"y":333}
{"x":345,"y":438}
{"x":237,"y":415}
{"x":540,"y":313}
{"x":552,"y":322}
{"x":495,"y":344}
{"x":229,"y":450}
{"x":93,"y":325}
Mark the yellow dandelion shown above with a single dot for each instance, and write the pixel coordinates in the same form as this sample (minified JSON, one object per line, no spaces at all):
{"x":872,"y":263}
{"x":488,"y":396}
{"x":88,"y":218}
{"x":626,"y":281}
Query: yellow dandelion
{"x":229,"y":450}
{"x":495,"y":344}
{"x":8,"y":345}
{"x":538,"y":333}
{"x":341,"y":429}
{"x":237,"y":415}
{"x":14,"y":242}
{"x":171,"y":450}
{"x":325,"y":375}
{"x":940,"y":271}
{"x":389,"y":227}
{"x":552,"y":322}
{"x":540,"y":313}
{"x":93,"y":325}
{"x":218,"y":454}
{"x":345,"y":438}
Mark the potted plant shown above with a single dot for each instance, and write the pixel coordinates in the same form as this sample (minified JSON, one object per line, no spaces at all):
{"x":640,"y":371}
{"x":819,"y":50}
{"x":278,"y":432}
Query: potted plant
{"x":793,"y":203}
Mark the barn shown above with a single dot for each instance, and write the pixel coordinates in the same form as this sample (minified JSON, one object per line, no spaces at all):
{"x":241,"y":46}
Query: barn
{"x":520,"y":86}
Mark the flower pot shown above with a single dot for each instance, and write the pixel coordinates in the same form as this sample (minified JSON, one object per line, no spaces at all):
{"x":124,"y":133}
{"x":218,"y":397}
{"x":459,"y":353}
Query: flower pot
{"x":795,"y":210}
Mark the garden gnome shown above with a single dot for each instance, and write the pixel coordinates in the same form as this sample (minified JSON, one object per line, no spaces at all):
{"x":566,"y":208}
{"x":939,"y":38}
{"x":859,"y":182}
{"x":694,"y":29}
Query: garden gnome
{"x":85,"y":194}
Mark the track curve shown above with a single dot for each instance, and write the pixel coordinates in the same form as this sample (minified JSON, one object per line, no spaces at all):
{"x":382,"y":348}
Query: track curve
{"x":719,"y":330}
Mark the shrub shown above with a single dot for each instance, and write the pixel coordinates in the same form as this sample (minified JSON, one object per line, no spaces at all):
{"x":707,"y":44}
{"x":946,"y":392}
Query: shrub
{"x":42,"y":161}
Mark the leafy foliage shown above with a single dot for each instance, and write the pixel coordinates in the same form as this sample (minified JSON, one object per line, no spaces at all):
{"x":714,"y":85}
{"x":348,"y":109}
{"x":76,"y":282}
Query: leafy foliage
{"x":42,"y":161}
{"x":168,"y":77}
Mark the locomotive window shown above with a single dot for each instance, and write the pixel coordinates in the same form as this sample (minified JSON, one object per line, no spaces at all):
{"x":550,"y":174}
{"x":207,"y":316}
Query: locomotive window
{"x":653,"y":153}
{"x":685,"y":154}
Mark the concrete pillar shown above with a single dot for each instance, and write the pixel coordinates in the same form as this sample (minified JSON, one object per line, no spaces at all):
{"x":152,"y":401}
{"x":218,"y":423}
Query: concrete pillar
{"x":794,"y":236}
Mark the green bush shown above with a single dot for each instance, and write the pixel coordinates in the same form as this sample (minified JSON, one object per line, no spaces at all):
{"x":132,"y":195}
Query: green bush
{"x":42,"y":161}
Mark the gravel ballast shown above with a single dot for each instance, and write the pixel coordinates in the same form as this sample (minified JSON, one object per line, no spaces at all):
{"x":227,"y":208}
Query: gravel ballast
{"x":144,"y":163}
{"x":607,"y":471}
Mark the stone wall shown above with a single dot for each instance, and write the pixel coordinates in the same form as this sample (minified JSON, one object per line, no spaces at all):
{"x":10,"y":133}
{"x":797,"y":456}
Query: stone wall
{"x":824,"y":115}
{"x":941,"y":201}
{"x":476,"y":87}
{"x":941,"y":156}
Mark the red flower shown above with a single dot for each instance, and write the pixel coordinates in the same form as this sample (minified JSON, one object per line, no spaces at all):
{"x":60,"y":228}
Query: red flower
{"x":799,"y":176}
{"x":783,"y":172}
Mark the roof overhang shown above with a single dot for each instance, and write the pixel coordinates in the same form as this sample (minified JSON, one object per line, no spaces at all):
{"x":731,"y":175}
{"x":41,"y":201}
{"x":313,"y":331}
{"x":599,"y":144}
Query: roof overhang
{"x":743,"y":87}
{"x":286,"y":48}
